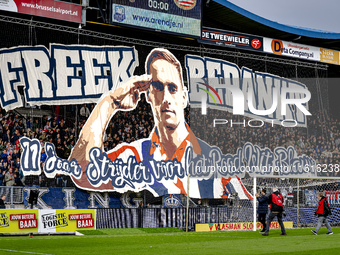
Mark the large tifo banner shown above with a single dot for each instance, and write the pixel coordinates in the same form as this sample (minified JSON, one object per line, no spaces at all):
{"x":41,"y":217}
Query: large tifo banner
{"x":46,"y":221}
{"x":46,"y":8}
{"x":172,"y":158}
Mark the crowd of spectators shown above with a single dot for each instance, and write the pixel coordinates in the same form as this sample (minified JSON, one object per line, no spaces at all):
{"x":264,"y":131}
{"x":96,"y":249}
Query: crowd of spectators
{"x":320,"y":140}
{"x":124,"y":127}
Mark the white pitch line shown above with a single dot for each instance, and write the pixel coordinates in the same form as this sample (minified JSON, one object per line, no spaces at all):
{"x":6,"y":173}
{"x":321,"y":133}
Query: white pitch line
{"x":30,"y":252}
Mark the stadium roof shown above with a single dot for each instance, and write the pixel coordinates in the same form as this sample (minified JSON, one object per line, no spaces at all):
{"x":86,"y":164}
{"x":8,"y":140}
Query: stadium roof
{"x":224,"y":15}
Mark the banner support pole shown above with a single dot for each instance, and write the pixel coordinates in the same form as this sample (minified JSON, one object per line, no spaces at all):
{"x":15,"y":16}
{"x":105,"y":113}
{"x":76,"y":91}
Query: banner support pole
{"x":297,"y":203}
{"x":254,"y":203}
{"x":187,"y":213}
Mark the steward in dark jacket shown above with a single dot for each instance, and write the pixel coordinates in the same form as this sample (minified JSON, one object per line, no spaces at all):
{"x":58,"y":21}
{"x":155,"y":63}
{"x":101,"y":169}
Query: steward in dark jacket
{"x":262,"y":208}
{"x":263,"y":203}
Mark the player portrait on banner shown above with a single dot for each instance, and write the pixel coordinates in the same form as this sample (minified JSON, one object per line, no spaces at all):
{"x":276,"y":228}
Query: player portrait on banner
{"x":160,"y":163}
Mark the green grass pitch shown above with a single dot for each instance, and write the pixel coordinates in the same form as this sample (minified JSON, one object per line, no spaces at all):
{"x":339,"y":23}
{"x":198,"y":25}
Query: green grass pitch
{"x":174,"y":241}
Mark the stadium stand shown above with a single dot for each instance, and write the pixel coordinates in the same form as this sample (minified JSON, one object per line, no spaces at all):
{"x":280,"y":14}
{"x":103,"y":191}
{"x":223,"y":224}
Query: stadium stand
{"x":320,"y":140}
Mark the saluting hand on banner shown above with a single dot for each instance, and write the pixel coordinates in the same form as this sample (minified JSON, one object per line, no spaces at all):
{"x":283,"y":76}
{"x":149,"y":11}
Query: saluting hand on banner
{"x":127,"y":95}
{"x":124,"y":97}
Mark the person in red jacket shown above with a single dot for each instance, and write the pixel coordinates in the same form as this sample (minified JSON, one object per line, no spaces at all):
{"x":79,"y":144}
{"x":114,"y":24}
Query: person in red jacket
{"x":276,"y":209}
{"x":322,"y":212}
